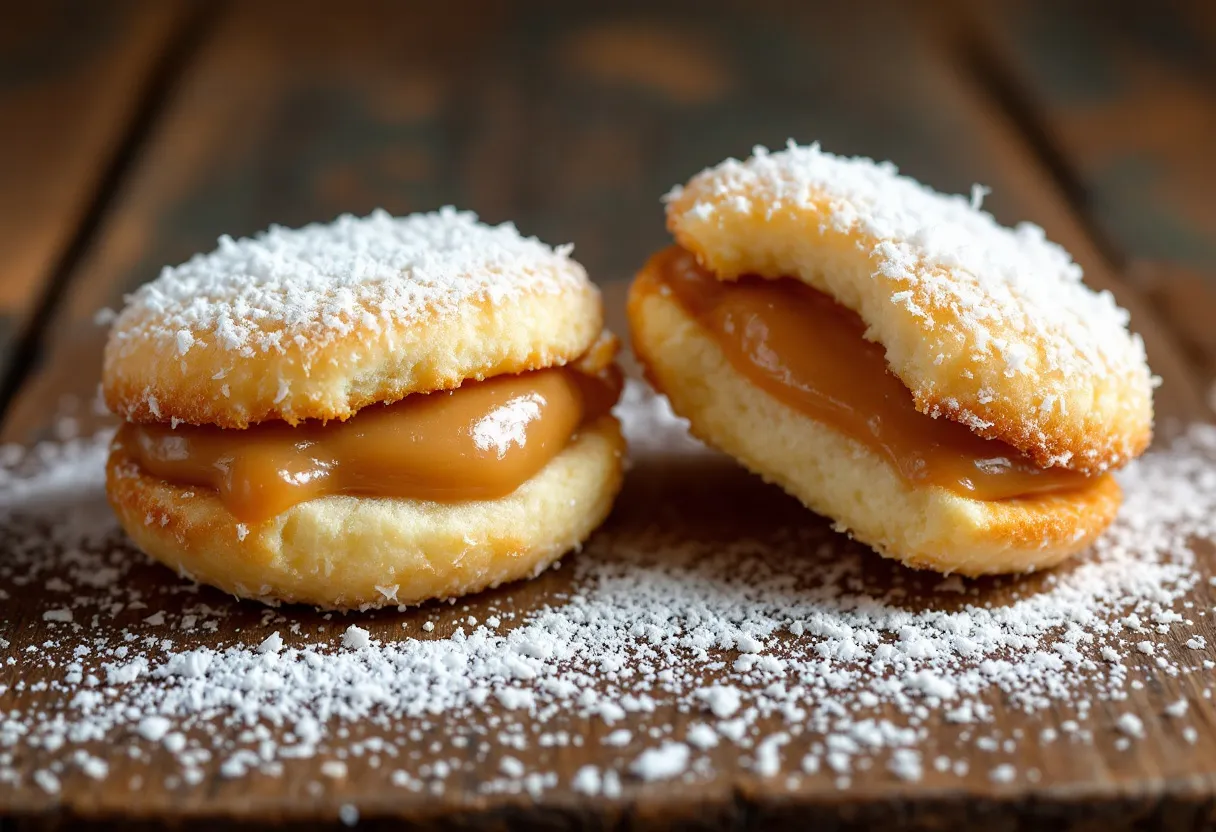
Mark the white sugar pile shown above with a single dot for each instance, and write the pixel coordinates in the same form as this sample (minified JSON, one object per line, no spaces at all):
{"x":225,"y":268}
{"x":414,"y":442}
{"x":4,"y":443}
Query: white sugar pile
{"x":780,"y":654}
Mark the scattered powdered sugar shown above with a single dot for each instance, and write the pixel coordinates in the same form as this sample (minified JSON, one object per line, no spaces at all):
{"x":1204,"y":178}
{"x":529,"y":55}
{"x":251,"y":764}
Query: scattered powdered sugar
{"x":658,"y":653}
{"x":356,"y":637}
{"x":651,"y":426}
{"x":1004,"y":773}
{"x":1177,"y":709}
{"x":906,"y":764}
{"x":272,"y":644}
{"x":662,"y":763}
{"x":721,"y":700}
{"x":1131,"y":725}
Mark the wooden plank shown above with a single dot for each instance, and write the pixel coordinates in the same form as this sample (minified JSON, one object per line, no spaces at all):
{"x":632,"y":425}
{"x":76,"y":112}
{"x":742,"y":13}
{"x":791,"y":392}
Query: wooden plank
{"x":1127,"y":93}
{"x":1203,"y":15}
{"x":572,"y":122}
{"x":71,"y":80}
{"x":1186,"y":298}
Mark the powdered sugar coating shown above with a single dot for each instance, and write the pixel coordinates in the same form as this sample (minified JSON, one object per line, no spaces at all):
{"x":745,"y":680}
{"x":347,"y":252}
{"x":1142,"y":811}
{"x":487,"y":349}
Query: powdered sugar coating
{"x":317,"y":283}
{"x":835,"y":676}
{"x":988,"y":325}
{"x":291,"y":302}
{"x":961,"y":256}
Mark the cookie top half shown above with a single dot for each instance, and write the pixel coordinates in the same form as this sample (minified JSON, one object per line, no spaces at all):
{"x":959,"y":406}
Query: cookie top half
{"x":986,"y":325}
{"x":320,"y":321}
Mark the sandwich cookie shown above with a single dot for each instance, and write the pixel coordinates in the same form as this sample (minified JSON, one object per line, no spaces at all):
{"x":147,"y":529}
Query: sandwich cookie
{"x":946,"y":389}
{"x":375,"y":411}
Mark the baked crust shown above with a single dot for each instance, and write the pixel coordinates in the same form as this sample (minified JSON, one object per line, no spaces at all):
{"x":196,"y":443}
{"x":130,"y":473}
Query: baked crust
{"x":318,"y":322}
{"x":357,"y":552}
{"x":986,"y":325}
{"x":925,"y":527}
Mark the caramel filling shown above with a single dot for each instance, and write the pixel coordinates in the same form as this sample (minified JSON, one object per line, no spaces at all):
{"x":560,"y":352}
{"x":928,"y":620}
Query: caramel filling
{"x":478,"y":442}
{"x":809,"y":352}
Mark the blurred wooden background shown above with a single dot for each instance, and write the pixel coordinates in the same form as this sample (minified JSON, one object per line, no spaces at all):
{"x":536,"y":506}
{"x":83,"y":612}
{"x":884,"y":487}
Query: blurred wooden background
{"x":137,"y":131}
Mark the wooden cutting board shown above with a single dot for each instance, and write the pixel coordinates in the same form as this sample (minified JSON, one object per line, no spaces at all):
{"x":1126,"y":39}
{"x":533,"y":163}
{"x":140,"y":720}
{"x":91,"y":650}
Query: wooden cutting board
{"x":570,"y":122}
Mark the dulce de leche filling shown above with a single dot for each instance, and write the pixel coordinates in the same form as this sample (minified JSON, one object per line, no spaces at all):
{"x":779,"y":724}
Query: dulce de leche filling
{"x":480,"y":441}
{"x":809,"y":352}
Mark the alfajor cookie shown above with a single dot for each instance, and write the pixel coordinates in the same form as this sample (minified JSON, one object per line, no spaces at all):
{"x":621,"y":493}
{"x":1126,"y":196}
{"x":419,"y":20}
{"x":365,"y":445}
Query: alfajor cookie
{"x":376,"y":411}
{"x":946,"y":389}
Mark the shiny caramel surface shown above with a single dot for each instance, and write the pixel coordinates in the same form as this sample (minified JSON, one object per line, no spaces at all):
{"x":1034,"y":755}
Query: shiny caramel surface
{"x":478,"y":442}
{"x":809,"y":352}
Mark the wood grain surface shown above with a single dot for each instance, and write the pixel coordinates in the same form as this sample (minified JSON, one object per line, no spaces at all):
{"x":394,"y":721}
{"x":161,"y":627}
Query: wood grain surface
{"x":1125,"y":93}
{"x":72,"y":81}
{"x":572,"y":122}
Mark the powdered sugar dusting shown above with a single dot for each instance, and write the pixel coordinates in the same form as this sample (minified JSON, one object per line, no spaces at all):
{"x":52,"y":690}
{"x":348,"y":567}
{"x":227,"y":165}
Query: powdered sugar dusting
{"x":659,"y":653}
{"x":313,"y":285}
{"x":946,"y":247}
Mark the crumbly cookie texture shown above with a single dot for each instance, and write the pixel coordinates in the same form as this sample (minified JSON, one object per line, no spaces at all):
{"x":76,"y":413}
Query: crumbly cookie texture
{"x":987,"y":325}
{"x":320,"y":321}
{"x":925,"y":527}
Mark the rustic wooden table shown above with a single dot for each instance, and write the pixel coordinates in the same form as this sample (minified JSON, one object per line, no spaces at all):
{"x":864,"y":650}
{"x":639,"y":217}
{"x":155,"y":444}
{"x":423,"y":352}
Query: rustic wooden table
{"x":137,"y":131}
